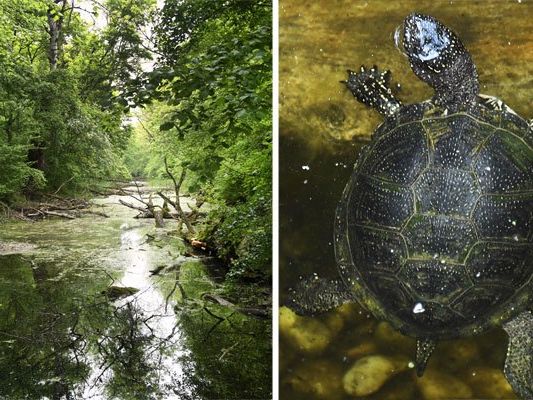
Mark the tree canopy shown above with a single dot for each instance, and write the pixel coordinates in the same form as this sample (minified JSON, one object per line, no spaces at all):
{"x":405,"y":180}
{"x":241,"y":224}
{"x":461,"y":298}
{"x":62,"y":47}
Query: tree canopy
{"x":196,"y":74}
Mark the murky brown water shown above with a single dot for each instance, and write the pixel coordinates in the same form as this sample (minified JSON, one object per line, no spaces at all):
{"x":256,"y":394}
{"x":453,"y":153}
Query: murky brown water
{"x":321,"y":131}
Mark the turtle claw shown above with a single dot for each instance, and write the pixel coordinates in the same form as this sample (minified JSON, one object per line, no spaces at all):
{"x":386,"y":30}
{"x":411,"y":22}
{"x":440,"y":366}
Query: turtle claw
{"x":371,"y":87}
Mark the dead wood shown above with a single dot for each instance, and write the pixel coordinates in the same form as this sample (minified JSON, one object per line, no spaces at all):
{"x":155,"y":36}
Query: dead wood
{"x":176,"y":204}
{"x":58,"y":214}
{"x":138,"y":208}
{"x":250,"y":311}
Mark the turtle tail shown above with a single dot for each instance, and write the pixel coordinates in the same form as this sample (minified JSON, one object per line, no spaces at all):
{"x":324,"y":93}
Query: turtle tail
{"x":424,"y":349}
{"x":519,"y":362}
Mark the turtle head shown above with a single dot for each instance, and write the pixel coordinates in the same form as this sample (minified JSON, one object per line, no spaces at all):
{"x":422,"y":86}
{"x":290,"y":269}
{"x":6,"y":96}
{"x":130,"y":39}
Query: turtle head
{"x":438,"y":57}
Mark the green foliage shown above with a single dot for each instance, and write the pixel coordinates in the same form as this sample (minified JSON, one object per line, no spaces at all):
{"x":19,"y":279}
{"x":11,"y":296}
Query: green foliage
{"x":16,"y":172}
{"x":214,"y":85}
{"x":60,"y":125}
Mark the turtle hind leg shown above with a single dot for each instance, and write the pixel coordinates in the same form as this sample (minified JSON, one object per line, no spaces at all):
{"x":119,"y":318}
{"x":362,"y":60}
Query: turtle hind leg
{"x":371,"y":87}
{"x":519,"y":362}
{"x":314,"y":295}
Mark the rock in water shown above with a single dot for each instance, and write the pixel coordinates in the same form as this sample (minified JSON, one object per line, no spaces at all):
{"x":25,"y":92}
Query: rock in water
{"x":305,"y":334}
{"x":438,"y":385}
{"x":370,"y":373}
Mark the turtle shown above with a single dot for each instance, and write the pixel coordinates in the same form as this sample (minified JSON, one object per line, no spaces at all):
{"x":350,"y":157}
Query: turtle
{"x":434,"y":230}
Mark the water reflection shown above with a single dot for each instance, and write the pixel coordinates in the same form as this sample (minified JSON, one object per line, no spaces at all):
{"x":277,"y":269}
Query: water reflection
{"x":65,"y":334}
{"x":145,"y":347}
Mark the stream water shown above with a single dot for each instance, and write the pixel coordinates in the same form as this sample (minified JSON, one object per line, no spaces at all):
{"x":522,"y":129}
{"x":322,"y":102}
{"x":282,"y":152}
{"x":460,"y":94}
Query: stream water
{"x":66,"y":333}
{"x":322,"y":129}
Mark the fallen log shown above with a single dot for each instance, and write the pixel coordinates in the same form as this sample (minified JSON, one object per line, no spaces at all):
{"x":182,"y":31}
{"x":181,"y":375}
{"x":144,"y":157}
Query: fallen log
{"x":132,"y":206}
{"x":58,"y":214}
{"x":250,"y":311}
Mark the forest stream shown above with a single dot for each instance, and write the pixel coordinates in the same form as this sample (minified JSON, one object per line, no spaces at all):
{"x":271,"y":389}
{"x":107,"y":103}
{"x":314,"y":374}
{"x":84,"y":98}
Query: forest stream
{"x":112,"y":308}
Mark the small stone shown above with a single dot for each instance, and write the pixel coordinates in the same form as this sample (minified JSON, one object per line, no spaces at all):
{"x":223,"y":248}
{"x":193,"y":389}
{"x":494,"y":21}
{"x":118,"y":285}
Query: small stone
{"x":391,"y":339}
{"x":490,"y":383}
{"x":370,"y":373}
{"x":317,"y":379}
{"x":438,"y":385}
{"x":362,"y":349}
{"x":308,"y":335}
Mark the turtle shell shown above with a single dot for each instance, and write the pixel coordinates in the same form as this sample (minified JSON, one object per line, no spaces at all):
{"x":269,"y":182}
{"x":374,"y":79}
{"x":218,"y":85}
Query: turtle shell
{"x":434,"y":229}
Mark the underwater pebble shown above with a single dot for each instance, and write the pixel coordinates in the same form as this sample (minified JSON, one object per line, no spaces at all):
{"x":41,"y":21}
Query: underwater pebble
{"x":490,"y":382}
{"x":308,"y":335}
{"x":438,"y":385}
{"x":317,"y":379}
{"x":368,"y":374}
{"x":362,"y":349}
{"x":390,"y":338}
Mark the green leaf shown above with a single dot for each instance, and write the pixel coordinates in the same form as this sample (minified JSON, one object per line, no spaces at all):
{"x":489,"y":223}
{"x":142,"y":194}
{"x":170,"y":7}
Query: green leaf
{"x":167,"y":126}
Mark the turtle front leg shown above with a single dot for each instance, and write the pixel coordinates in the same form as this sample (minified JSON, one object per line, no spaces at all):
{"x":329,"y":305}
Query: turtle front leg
{"x":314,"y":295}
{"x":519,"y":362}
{"x":371,"y":87}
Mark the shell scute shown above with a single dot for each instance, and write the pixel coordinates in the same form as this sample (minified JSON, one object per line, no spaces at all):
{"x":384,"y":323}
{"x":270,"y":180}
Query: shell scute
{"x":439,"y":237}
{"x":378,"y":203}
{"x":505,"y":217}
{"x":398,"y":156}
{"x":456,"y":144}
{"x":447,"y":191}
{"x":386,"y":249}
{"x":499,"y":263}
{"x":431,"y":280}
{"x":505,"y":164}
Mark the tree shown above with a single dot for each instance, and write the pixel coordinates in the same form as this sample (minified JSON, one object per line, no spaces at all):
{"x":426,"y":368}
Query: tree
{"x":61,"y":121}
{"x":213,"y":87}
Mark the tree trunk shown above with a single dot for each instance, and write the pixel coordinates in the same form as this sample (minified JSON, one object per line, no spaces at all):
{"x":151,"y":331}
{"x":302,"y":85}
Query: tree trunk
{"x":55,"y":24}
